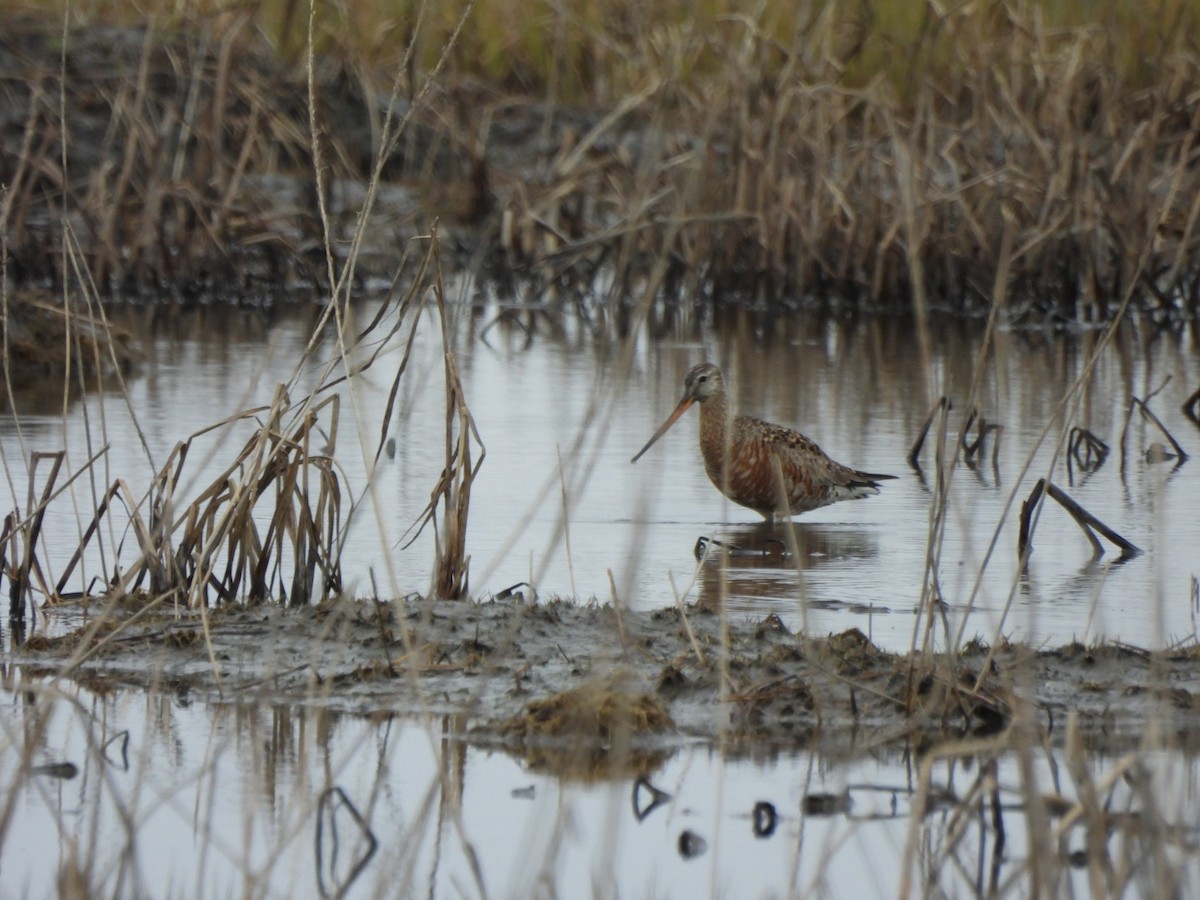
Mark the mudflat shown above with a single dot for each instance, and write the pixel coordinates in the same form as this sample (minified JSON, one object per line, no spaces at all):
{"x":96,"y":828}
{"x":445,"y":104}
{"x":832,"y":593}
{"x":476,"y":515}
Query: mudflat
{"x":519,"y":672}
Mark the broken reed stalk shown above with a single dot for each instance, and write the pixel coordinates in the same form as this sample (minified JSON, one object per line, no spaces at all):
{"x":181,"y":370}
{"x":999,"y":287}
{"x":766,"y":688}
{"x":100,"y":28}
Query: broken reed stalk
{"x":23,"y":537}
{"x":361,"y":842}
{"x":972,"y":448}
{"x":20,"y":535}
{"x":1143,"y":407}
{"x":943,"y":405}
{"x":1085,"y":450}
{"x":1082,"y":517}
{"x":1191,"y":405}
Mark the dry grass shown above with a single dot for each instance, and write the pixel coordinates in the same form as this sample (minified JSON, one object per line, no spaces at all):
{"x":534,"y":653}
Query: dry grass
{"x":906,"y":156}
{"x":603,"y":729}
{"x":266,"y":528}
{"x":271,"y":524}
{"x":1007,"y":163}
{"x":791,"y":190}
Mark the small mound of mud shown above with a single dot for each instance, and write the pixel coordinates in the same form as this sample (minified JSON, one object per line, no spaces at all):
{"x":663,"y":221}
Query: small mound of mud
{"x":599,"y":713}
{"x":590,"y":731}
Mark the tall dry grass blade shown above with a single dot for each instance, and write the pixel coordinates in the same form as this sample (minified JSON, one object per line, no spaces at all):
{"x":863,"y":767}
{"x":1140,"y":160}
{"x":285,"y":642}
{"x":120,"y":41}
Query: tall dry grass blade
{"x":566,"y":519}
{"x":10,"y":548}
{"x":453,"y":491}
{"x":412,"y":301}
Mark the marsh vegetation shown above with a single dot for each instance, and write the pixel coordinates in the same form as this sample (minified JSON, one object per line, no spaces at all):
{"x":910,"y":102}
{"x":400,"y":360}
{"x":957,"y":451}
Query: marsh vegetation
{"x":444,"y":222}
{"x":1032,"y":157}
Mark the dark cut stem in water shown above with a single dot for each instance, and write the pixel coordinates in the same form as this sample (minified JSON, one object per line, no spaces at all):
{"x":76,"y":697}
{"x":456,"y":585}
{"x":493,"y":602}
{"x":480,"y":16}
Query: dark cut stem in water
{"x":655,"y":799}
{"x":1083,"y":518}
{"x":1135,"y":403}
{"x":1085,"y":450}
{"x":1190,"y":408}
{"x":945,"y":406}
{"x":974,"y":448}
{"x":328,"y":805}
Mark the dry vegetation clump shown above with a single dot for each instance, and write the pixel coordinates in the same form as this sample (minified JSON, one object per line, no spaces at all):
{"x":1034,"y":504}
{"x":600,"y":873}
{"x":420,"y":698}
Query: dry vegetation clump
{"x":596,"y":712}
{"x":174,"y":159}
{"x":597,"y":730}
{"x":270,"y":526}
{"x":911,"y":156}
{"x":267,"y":527}
{"x":144,"y":160}
{"x":79,"y":640}
{"x":1027,"y":167}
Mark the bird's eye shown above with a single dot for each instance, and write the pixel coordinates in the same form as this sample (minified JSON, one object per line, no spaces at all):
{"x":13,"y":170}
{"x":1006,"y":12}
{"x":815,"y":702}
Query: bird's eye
{"x":702,"y":379}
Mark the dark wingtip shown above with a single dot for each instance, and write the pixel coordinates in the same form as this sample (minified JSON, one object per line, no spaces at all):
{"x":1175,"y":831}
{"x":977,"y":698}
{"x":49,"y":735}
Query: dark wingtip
{"x":870,"y":480}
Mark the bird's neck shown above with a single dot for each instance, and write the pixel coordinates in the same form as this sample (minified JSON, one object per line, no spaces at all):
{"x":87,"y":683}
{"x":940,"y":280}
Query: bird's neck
{"x":715,"y":419}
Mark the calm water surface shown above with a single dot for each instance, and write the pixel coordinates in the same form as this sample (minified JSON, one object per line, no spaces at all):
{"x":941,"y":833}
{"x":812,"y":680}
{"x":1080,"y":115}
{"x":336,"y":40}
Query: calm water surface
{"x":214,"y":800}
{"x":172,"y":798}
{"x":558,"y":505}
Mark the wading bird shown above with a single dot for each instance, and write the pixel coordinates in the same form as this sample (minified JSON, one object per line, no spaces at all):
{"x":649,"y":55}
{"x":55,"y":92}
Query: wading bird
{"x":765,"y":467}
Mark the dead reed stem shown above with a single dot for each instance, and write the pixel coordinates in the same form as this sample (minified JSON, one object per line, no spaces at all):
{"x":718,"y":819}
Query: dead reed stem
{"x":1143,"y":407}
{"x":453,"y":490}
{"x":1082,"y":517}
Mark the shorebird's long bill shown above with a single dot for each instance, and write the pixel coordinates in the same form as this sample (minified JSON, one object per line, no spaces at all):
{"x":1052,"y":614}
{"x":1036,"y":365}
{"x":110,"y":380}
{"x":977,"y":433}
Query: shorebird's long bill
{"x":684,"y":405}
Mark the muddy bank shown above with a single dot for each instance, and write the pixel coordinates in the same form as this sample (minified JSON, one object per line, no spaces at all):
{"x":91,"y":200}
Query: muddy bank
{"x":505,"y":667}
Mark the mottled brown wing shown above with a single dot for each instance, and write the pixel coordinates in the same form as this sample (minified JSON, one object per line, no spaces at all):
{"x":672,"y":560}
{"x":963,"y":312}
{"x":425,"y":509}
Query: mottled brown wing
{"x":812,"y":478}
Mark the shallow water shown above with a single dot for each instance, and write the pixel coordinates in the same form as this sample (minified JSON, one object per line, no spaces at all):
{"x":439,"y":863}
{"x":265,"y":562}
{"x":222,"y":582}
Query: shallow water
{"x":175,"y":798}
{"x":211,"y":799}
{"x":561,"y":413}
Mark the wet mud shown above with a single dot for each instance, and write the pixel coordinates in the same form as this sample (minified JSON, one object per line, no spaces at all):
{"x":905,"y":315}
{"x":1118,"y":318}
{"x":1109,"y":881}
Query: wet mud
{"x":561,"y":674}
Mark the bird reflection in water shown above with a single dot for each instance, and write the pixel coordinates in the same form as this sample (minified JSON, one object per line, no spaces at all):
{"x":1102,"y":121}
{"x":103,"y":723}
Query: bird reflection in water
{"x":744,"y":566}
